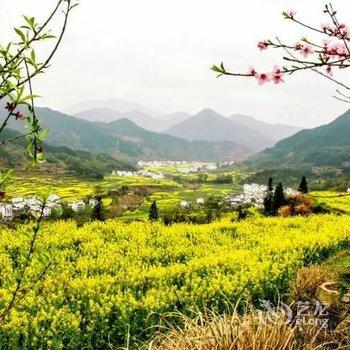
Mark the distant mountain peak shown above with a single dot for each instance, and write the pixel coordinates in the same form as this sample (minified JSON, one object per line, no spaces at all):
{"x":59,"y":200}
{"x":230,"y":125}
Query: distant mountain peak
{"x":124,"y":121}
{"x":209,"y":112}
{"x":138,"y":116}
{"x":115,"y":104}
{"x":211,"y":126}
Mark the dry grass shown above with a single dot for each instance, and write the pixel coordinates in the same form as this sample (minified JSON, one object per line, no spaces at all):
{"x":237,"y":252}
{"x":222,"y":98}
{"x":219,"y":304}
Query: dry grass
{"x":234,"y":332}
{"x":307,"y":280}
{"x":257,"y":330}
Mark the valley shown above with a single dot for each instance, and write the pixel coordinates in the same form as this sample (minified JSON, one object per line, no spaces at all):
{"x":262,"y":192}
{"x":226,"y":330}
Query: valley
{"x":161,"y":188}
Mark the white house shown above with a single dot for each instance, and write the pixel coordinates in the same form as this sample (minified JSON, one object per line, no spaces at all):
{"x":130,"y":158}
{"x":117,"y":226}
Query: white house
{"x":6,"y":211}
{"x":253,"y":194}
{"x":212,"y":167}
{"x":93,"y":202}
{"x":77,"y":206}
{"x":47,"y":212}
{"x":123,"y":173}
{"x":34,"y":203}
{"x":18,"y":203}
{"x":200,"y":200}
{"x":53,"y":199}
{"x":184,"y":204}
{"x":348,"y":191}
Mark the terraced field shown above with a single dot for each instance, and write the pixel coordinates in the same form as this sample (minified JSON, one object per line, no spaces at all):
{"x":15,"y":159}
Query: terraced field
{"x":339,"y":201}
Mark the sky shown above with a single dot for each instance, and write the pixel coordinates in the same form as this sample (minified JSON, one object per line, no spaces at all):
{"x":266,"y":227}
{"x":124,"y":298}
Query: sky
{"x":159,"y":53}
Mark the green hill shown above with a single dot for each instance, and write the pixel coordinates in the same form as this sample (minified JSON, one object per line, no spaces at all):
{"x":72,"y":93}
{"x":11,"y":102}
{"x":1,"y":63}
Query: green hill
{"x":321,"y":152}
{"x":60,"y":160}
{"x":325,"y":145}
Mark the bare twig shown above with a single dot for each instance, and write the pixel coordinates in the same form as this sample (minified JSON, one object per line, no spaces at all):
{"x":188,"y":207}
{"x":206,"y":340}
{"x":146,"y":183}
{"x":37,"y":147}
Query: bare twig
{"x":3,"y":142}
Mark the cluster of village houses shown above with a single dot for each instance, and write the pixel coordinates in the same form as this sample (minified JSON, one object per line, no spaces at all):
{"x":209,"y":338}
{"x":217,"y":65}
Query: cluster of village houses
{"x":35,"y":205}
{"x":193,"y":168}
{"x":187,"y":168}
{"x":159,"y":163}
{"x":197,"y":167}
{"x":253,"y":194}
{"x":144,"y":173}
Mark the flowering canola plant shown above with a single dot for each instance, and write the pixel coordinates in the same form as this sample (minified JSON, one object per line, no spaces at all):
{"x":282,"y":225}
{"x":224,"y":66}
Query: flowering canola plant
{"x":111,"y":279}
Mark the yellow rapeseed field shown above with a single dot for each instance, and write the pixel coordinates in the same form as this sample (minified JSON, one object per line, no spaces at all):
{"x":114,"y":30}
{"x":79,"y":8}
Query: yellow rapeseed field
{"x":110,"y":281}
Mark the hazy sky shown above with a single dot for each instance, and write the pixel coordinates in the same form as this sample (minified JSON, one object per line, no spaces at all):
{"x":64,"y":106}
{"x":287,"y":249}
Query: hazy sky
{"x":158,"y":53}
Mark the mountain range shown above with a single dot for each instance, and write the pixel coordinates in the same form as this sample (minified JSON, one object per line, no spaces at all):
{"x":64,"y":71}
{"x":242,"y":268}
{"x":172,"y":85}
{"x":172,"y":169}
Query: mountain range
{"x":211,"y":126}
{"x":113,"y":104}
{"x":123,"y":139}
{"x":247,"y":131}
{"x":207,"y":125}
{"x":207,"y":136}
{"x":142,"y":119}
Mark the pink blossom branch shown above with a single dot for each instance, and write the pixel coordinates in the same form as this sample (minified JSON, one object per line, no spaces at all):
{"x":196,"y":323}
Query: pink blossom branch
{"x":329,"y":54}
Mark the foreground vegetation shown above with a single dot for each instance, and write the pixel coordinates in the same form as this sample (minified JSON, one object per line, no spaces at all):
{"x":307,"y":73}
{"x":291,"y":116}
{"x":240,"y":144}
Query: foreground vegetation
{"x":110,"y":281}
{"x":255,"y":329}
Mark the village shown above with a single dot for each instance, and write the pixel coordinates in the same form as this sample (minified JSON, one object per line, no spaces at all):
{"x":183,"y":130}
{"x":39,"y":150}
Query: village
{"x":253,"y":194}
{"x":247,"y":195}
{"x":34,"y":206}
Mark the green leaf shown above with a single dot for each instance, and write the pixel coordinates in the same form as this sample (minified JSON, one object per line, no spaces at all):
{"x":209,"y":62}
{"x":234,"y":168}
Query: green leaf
{"x":20,"y":34}
{"x":27,"y":97}
{"x":48,"y":36}
{"x":42,"y":134}
{"x":33,"y":58}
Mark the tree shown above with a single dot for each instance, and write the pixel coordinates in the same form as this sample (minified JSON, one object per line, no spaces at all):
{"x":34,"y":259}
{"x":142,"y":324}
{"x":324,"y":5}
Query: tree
{"x":19,"y":64}
{"x":269,"y":197}
{"x":278,"y":199}
{"x":242,"y":213}
{"x":153,"y":212}
{"x":98,"y":212}
{"x":319,"y":56}
{"x":303,"y":188}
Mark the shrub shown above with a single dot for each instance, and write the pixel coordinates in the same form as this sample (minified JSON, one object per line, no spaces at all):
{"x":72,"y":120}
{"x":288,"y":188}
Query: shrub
{"x":297,"y":204}
{"x":285,"y":211}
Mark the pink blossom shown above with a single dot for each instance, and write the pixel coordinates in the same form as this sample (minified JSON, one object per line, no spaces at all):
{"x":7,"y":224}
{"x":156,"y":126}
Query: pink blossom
{"x":306,"y":50}
{"x":326,"y":27}
{"x":329,"y":71}
{"x":263,"y":78}
{"x":277,"y":75}
{"x":277,"y":78}
{"x":19,"y":115}
{"x":344,"y":30}
{"x":276,"y":69}
{"x":298,"y":45}
{"x":291,"y":13}
{"x":341,"y":49}
{"x":262,"y":45}
{"x":251,"y":71}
